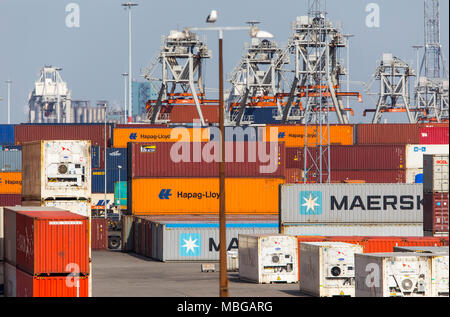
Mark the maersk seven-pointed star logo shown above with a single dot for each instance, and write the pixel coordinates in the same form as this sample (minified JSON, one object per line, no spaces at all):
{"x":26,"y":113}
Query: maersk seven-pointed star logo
{"x":310,"y":203}
{"x":190,"y":244}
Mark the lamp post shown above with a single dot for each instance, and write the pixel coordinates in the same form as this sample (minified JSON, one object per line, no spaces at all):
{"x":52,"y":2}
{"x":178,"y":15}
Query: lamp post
{"x":223,"y":283}
{"x":129,"y":5}
{"x":125,"y":75}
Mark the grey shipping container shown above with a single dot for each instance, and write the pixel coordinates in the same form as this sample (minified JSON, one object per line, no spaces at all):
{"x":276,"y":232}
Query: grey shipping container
{"x":189,"y":241}
{"x":435,"y":173}
{"x":10,"y":161}
{"x":351,"y":203}
{"x":127,"y":233}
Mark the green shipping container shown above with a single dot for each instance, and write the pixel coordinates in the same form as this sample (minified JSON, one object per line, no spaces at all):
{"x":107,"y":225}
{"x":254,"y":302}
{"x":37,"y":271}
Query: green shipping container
{"x":120,"y":194}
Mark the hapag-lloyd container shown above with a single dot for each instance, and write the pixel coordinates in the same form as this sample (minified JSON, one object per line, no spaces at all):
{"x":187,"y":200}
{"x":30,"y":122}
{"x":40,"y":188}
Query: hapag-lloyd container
{"x":21,"y":284}
{"x":10,"y":183}
{"x":46,"y":240}
{"x":435,"y":170}
{"x":415,"y":153}
{"x":435,"y":212}
{"x":201,"y":195}
{"x":243,"y":159}
{"x":56,"y":169}
{"x":351,"y":203}
{"x":434,"y":135}
{"x":95,"y":133}
{"x":267,"y":258}
{"x":124,"y":135}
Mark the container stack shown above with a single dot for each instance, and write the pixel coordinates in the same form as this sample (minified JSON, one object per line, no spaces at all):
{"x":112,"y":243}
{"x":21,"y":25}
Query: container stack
{"x":435,"y":192}
{"x":46,"y":253}
{"x":57,"y":173}
{"x":10,"y":167}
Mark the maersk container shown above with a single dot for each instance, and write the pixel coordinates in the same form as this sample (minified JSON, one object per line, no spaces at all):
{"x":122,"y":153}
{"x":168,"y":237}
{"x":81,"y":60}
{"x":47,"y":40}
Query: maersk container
{"x":415,"y":153}
{"x":355,"y":229}
{"x":10,"y":161}
{"x":189,"y":241}
{"x":268,"y":258}
{"x":327,"y":269}
{"x":351,"y":203}
{"x":113,"y":175}
{"x":435,"y":170}
{"x":56,"y":169}
{"x":7,"y":134}
{"x":394,"y":274}
{"x":46,"y":240}
{"x":184,"y":159}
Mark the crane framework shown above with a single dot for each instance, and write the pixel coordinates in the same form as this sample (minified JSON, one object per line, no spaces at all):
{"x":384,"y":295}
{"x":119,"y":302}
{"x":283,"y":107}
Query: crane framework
{"x":180,"y":60}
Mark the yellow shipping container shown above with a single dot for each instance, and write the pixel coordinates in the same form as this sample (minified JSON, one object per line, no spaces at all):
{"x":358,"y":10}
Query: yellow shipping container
{"x":10,"y":182}
{"x":294,"y":135}
{"x":201,"y":195}
{"x":121,"y":136}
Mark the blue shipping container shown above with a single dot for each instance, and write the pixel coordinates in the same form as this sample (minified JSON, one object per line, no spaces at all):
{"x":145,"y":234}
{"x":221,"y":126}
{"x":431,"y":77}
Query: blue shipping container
{"x":116,"y":157}
{"x":7,"y":134}
{"x":112,"y":176}
{"x":95,"y":156}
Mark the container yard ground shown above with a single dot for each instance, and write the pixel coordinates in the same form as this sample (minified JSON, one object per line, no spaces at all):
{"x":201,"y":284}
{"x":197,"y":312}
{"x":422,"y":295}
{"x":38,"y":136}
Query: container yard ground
{"x":126,"y":274}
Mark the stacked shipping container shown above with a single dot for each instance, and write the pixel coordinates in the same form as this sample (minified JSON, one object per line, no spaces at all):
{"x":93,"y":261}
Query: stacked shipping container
{"x":10,"y":173}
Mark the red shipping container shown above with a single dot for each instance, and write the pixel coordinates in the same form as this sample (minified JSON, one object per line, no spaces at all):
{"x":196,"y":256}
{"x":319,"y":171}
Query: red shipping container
{"x":48,"y":240}
{"x":50,"y":286}
{"x":435,"y":135}
{"x":99,"y":234}
{"x":154,"y":160}
{"x":435,"y":212}
{"x":293,"y":175}
{"x":188,"y":113}
{"x":36,"y":132}
{"x":10,"y":199}
{"x":370,"y":176}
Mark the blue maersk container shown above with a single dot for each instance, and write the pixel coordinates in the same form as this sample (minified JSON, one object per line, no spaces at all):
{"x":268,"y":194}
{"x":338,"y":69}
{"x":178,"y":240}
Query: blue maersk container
{"x":112,"y":176}
{"x":7,"y":135}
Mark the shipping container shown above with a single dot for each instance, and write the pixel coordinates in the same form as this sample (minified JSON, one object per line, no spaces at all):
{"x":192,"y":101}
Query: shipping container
{"x":99,"y":233}
{"x":124,"y":135}
{"x":189,"y":241}
{"x":80,"y":207}
{"x":392,"y":278}
{"x":434,"y":135}
{"x":188,"y":113}
{"x":7,"y":134}
{"x":201,"y":195}
{"x":95,"y":133}
{"x":355,"y":229}
{"x":294,"y":135}
{"x":268,"y":258}
{"x":243,"y":159}
{"x":351,"y":203}
{"x":2,"y":235}
{"x":56,"y":169}
{"x":22,"y":284}
{"x":98,"y":201}
{"x":414,"y":176}
{"x":116,"y":157}
{"x":120,"y":194}
{"x":127,"y":233}
{"x":113,"y":175}
{"x":424,"y":249}
{"x":370,"y":176}
{"x":435,"y":173}
{"x":46,"y":240}
{"x":10,"y":161}
{"x":10,"y":199}
{"x":435,"y":212}
{"x":326,"y":269}
{"x":11,"y":183}
{"x":2,"y":279}
{"x":97,"y":157}
{"x":415,"y":153}
{"x":293,"y":175}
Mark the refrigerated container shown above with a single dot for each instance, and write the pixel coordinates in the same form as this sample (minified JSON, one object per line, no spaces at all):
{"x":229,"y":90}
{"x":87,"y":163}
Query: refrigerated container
{"x":80,"y":207}
{"x":56,"y":169}
{"x":327,"y":268}
{"x":268,"y":258}
{"x":395,"y":274}
{"x":435,"y":173}
{"x":416,"y":152}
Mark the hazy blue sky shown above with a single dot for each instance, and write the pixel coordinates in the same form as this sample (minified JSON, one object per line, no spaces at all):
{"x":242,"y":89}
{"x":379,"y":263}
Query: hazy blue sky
{"x":93,"y":56}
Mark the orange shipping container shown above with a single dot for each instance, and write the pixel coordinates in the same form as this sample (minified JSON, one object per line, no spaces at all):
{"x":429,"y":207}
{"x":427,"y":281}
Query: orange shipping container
{"x":10,"y":182}
{"x":294,"y":135}
{"x":122,"y":136}
{"x":201,"y":196}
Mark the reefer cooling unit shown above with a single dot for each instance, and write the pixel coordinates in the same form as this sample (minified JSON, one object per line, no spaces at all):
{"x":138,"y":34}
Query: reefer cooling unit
{"x":268,"y":258}
{"x":327,"y":268}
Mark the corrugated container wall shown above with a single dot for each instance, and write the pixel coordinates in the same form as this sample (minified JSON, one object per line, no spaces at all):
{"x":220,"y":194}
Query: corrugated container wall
{"x":116,"y":157}
{"x":187,"y":114}
{"x":11,"y":183}
{"x":242,"y":159}
{"x":10,"y":161}
{"x":339,"y":229}
{"x":201,"y":195}
{"x":7,"y":134}
{"x":351,"y":203}
{"x":36,"y":132}
{"x":127,"y":233}
{"x":435,"y":212}
{"x":435,"y":135}
{"x":435,"y":173}
{"x":415,"y":153}
{"x":112,"y":176}
{"x":99,"y":233}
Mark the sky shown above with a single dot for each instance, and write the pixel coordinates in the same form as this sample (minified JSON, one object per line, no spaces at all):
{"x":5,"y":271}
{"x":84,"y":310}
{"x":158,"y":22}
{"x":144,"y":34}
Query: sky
{"x":93,"y":56}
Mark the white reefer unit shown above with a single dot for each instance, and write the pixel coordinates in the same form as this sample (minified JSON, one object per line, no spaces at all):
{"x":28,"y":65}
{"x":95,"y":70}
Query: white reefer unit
{"x":439,"y":278}
{"x":403,"y":274}
{"x":268,"y":258}
{"x":56,"y":169}
{"x":327,"y":268}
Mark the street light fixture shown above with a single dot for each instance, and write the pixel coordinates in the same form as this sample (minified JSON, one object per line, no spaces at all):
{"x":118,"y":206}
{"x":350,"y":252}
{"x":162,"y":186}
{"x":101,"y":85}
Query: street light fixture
{"x":223,"y":284}
{"x":129,"y":5}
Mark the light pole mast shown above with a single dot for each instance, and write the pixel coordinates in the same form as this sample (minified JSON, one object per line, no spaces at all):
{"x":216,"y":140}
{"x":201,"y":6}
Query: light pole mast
{"x":125,"y":98}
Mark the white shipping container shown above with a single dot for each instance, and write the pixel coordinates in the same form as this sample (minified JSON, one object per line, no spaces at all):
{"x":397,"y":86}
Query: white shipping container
{"x":268,"y":258}
{"x":327,"y":268}
{"x":375,"y":229}
{"x":435,"y":173}
{"x":393,"y":274}
{"x":414,"y":175}
{"x":232,"y":261}
{"x":351,"y":203}
{"x":439,"y":279}
{"x":415,"y":153}
{"x":56,"y":169}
